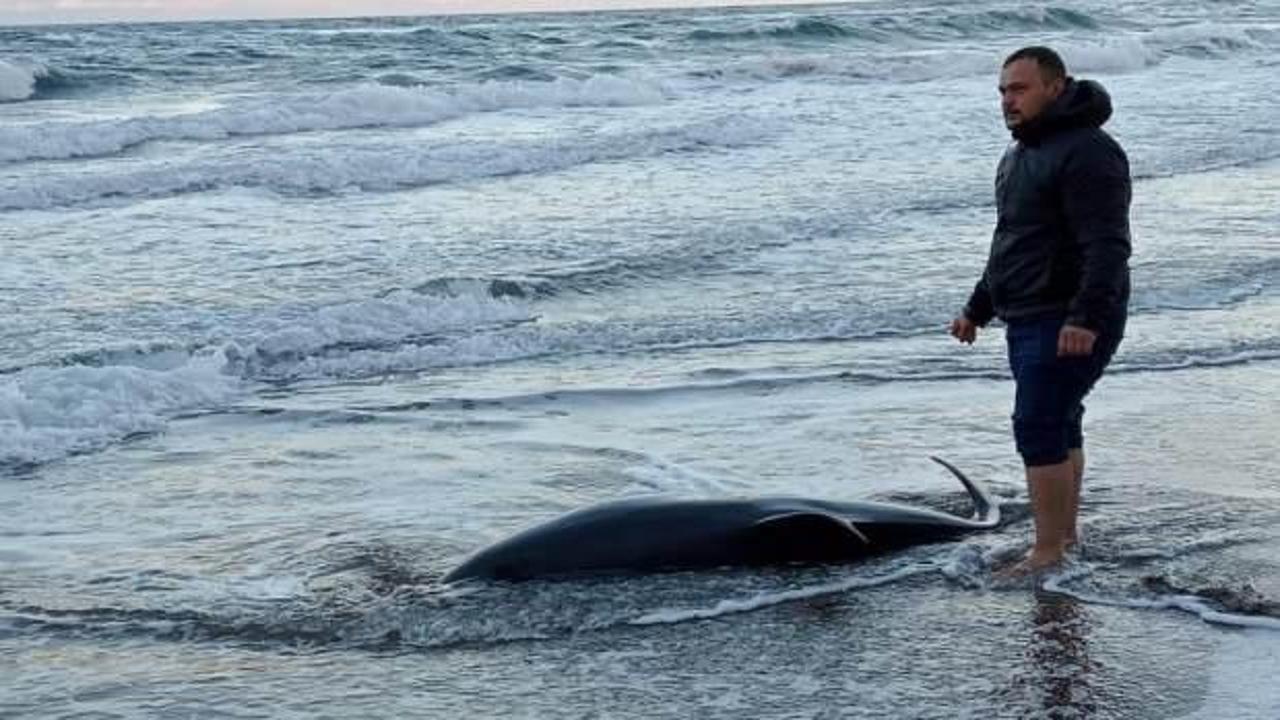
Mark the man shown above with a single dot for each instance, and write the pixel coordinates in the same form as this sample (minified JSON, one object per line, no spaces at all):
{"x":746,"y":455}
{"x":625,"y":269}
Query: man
{"x":1057,"y":275}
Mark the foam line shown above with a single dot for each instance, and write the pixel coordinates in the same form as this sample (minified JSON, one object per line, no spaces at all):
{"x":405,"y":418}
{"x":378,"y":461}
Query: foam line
{"x":1185,"y":603}
{"x":764,"y":600}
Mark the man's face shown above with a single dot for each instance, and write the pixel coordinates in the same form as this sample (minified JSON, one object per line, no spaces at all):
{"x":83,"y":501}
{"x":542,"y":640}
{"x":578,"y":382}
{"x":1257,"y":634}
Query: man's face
{"x":1024,"y":93}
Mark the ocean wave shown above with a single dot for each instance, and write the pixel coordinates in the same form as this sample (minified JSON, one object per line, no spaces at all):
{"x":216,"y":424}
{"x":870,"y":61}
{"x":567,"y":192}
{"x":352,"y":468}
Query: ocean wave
{"x":1048,"y":17}
{"x":712,"y":250}
{"x":1174,"y":360}
{"x":517,"y":72}
{"x":391,"y":323}
{"x":530,"y":339}
{"x":542,"y":38}
{"x":312,"y":171}
{"x":1122,"y":52}
{"x":749,"y":383}
{"x":800,"y":29}
{"x":35,"y":80}
{"x":54,"y":83}
{"x":365,"y":106}
{"x":1119,"y":55}
{"x":97,"y":398}
{"x":1208,"y":39}
{"x":439,"y":41}
{"x":403,"y":80}
{"x":911,"y":66}
{"x":1210,"y":159}
{"x":93,"y":399}
{"x":493,"y":287}
{"x":47,"y":413}
{"x":1194,"y":288}
{"x":50,"y":413}
{"x":18,"y":80}
{"x":372,"y":30}
{"x":902,"y":27}
{"x":936,"y":370}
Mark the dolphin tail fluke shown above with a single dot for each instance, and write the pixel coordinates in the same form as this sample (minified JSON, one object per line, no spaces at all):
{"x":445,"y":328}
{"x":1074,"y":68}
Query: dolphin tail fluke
{"x":986,"y":508}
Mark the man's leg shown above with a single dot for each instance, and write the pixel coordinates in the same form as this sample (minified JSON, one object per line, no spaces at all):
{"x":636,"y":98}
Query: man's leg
{"x":1052,"y":491}
{"x":1049,"y":398}
{"x":1047,"y":411}
{"x":1076,"y":456}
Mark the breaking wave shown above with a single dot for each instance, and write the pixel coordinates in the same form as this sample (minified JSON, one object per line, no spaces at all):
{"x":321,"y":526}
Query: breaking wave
{"x":1118,"y":55}
{"x":18,"y":81}
{"x":95,"y":399}
{"x":903,"y":26}
{"x":375,"y":169}
{"x":366,"y":106}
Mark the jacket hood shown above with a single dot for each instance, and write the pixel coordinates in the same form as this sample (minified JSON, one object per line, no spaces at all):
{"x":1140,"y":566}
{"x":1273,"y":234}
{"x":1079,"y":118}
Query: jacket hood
{"x":1083,"y":103}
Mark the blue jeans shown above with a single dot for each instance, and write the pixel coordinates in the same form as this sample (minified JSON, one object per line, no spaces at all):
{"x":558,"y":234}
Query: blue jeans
{"x":1048,"y":409}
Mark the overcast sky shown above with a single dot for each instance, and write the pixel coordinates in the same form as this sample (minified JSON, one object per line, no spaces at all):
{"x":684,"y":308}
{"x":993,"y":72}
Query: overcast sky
{"x":51,"y":11}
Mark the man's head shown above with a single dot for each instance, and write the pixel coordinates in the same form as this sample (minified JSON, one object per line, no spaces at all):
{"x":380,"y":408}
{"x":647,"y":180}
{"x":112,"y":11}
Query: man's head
{"x":1031,"y":78}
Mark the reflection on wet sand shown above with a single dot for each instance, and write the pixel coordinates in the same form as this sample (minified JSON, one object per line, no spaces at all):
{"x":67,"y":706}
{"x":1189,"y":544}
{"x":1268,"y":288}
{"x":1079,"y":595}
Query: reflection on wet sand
{"x":1060,"y":680}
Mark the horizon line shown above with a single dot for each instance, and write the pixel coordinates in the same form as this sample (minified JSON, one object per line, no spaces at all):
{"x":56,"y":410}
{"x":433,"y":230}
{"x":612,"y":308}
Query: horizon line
{"x":639,"y":6}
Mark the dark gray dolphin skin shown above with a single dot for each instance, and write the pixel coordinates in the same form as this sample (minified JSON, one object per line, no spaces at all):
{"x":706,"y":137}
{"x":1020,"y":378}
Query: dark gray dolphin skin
{"x":643,"y":535}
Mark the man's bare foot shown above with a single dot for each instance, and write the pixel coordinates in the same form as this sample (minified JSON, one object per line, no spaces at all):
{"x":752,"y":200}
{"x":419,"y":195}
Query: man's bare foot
{"x":1038,"y":560}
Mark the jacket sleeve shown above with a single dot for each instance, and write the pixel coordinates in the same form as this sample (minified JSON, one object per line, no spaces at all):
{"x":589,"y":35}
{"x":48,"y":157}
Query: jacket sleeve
{"x":1096,"y":193}
{"x":979,"y":310}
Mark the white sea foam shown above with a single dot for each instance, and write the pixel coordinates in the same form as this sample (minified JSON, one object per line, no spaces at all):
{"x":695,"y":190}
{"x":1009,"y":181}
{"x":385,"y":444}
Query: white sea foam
{"x":386,"y":322}
{"x":17,"y":82}
{"x":1186,"y":603}
{"x":48,"y":413}
{"x":310,"y":170}
{"x":479,"y":348}
{"x":1125,"y":54}
{"x":769,"y":599}
{"x":357,"y":107}
{"x":662,"y":476}
{"x":482,"y":347}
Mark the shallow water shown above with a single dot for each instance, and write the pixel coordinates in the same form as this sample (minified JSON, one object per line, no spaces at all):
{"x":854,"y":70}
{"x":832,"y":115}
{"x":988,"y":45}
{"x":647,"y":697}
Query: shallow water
{"x":297,"y":315}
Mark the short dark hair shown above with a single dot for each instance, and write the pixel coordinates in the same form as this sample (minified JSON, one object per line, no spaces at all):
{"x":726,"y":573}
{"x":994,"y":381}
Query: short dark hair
{"x":1050,"y":62}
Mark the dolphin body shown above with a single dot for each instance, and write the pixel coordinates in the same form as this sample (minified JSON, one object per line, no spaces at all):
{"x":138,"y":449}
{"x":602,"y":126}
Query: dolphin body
{"x":642,"y":535}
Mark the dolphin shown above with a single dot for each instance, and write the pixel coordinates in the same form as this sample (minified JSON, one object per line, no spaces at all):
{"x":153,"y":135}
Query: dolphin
{"x":656,"y":534}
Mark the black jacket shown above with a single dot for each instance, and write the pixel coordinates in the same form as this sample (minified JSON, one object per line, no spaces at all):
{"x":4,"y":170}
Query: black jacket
{"x":1061,"y":242}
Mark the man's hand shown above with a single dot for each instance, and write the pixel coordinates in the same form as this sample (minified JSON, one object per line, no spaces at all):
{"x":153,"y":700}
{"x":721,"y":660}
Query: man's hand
{"x":963,"y":329}
{"x":1074,"y":340}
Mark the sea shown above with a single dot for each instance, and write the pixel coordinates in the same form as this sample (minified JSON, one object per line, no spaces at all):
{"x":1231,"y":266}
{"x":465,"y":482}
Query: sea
{"x":296,"y":315}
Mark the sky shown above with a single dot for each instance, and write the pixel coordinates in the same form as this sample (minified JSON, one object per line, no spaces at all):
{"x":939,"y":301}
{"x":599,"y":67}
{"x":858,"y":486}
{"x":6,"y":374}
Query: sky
{"x":61,"y":11}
